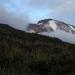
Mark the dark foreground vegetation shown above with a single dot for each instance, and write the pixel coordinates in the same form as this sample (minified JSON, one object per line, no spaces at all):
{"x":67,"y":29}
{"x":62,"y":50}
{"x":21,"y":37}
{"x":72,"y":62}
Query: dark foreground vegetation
{"x":22,"y":53}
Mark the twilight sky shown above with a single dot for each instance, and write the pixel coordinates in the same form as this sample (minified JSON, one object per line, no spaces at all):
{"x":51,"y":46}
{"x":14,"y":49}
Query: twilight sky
{"x":24,"y":11}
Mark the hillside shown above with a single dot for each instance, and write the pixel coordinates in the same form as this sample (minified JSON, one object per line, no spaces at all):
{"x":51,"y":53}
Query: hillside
{"x":24,"y":53}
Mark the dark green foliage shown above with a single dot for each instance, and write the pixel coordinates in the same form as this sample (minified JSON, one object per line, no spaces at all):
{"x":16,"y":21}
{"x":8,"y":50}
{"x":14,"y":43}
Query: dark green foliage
{"x":23,"y":53}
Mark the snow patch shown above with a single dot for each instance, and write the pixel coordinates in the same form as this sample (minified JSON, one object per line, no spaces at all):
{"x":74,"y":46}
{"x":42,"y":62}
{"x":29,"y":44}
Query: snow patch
{"x":72,"y":28}
{"x":53,"y":25}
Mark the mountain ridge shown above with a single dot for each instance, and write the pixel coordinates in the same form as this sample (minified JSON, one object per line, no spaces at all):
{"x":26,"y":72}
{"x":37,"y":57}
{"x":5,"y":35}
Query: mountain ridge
{"x":23,"y":53}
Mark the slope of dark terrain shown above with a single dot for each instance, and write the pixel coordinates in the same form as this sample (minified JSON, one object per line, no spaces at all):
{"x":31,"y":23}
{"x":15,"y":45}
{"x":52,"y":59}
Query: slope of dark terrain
{"x":23,"y":53}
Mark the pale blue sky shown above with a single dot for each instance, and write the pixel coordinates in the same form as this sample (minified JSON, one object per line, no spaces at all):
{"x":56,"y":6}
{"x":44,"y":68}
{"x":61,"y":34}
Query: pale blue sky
{"x":40,"y":9}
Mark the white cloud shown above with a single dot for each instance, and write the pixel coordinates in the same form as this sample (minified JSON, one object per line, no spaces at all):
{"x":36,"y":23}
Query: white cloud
{"x":55,"y":9}
{"x":66,"y":8}
{"x":15,"y":20}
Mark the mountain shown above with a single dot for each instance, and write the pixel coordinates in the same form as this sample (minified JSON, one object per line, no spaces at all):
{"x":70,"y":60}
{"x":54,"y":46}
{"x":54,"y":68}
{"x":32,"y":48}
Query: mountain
{"x":54,"y":28}
{"x":23,"y":53}
{"x":50,"y":25}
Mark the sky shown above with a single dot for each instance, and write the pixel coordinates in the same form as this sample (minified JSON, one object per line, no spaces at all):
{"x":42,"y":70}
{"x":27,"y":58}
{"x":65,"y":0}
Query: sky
{"x":18,"y":13}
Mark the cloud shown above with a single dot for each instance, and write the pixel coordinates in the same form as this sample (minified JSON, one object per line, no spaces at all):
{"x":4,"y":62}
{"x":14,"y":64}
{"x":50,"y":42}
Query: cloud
{"x":67,"y":7}
{"x":34,"y":10}
{"x":14,"y":19}
{"x":58,"y":9}
{"x":42,"y":3}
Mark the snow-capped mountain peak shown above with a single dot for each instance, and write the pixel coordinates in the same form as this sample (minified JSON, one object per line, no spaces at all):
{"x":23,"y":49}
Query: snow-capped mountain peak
{"x":49,"y":25}
{"x":53,"y":28}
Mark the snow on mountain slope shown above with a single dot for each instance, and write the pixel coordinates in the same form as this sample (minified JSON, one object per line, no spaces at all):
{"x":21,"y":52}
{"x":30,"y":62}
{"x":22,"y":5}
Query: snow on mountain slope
{"x":53,"y":25}
{"x":72,"y":27}
{"x":54,"y":28}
